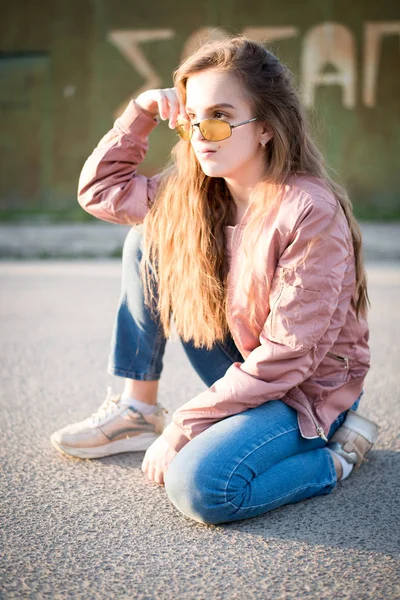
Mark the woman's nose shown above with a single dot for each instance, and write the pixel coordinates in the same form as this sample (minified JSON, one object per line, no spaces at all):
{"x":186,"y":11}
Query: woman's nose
{"x":197,"y":133}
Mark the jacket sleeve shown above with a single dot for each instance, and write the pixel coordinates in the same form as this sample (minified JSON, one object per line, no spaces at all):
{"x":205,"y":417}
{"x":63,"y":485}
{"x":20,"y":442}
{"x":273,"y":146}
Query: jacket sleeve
{"x":303,"y":297}
{"x":109,"y":187}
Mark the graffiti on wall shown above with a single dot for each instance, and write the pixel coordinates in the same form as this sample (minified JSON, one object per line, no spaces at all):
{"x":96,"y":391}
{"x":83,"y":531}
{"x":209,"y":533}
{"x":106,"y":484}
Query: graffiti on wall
{"x":326,"y":44}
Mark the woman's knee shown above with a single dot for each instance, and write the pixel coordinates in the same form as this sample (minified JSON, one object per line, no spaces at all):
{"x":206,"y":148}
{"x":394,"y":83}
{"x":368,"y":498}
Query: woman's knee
{"x":131,"y":258}
{"x":190,"y":488}
{"x":132,"y":249}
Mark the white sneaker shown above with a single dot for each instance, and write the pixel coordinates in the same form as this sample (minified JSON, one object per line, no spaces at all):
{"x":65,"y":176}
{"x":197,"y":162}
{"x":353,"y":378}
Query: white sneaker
{"x":113,"y":428}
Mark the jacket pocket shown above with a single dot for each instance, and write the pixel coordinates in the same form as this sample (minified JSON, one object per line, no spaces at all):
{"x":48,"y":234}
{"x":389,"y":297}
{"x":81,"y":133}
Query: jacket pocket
{"x":333,"y":369}
{"x":299,"y":317}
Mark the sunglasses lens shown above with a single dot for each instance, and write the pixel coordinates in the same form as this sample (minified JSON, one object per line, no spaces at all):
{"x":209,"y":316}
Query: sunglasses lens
{"x":214,"y":130}
{"x":183,"y":129}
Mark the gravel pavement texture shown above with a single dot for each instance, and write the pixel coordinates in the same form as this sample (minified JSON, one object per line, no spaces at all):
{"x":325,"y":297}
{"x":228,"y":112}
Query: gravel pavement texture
{"x":100,"y":529}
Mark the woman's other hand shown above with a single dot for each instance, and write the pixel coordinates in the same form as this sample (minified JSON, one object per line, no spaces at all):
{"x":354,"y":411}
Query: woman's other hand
{"x":157,"y":459}
{"x":164,"y":102}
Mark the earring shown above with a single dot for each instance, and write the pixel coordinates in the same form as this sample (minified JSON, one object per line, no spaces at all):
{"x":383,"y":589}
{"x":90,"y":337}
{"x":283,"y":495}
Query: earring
{"x":263,"y":142}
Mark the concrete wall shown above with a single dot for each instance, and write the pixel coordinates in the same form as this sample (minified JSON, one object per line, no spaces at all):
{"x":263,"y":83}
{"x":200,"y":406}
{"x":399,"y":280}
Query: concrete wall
{"x":67,"y":70}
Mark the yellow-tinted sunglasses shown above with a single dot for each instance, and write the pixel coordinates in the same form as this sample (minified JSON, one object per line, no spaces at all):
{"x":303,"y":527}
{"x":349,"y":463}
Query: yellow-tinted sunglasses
{"x":213,"y":130}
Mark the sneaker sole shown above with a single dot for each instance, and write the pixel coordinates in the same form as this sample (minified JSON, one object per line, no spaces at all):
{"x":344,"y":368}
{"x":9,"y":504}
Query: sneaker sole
{"x":138,"y":443}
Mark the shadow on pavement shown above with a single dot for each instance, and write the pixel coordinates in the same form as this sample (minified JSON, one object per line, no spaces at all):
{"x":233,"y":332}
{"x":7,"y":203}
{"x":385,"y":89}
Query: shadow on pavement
{"x":362,"y":512}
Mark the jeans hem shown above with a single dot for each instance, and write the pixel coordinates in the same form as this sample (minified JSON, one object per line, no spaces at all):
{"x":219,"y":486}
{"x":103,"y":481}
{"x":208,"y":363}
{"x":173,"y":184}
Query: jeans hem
{"x":113,"y":370}
{"x":332,"y":469}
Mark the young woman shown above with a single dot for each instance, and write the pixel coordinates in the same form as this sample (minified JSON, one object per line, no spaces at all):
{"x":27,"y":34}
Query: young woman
{"x":254,"y":251}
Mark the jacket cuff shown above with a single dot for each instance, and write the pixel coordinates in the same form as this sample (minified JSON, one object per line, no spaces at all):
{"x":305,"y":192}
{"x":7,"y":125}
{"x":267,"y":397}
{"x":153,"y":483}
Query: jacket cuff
{"x":135,"y":120}
{"x":174,"y":436}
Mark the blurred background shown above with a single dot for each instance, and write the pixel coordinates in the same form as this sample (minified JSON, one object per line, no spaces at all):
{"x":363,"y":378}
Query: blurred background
{"x":68,"y":70}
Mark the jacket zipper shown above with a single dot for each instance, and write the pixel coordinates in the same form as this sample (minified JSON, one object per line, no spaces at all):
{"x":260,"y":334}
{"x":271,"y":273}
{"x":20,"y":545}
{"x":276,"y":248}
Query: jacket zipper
{"x":320,"y":431}
{"x":344,"y":359}
{"x":228,"y":281}
{"x":318,"y":427}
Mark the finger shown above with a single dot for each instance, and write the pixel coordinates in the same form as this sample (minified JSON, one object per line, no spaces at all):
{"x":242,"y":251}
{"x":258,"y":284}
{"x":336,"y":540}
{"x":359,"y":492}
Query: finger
{"x":174,"y":108}
{"x":163,"y":108}
{"x":159,"y":477}
{"x":182,"y":110}
{"x":145,"y":464}
{"x":150,"y":473}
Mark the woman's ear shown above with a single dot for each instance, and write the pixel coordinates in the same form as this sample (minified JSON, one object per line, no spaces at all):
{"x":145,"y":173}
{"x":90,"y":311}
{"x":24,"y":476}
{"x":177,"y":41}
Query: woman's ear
{"x":267,"y":133}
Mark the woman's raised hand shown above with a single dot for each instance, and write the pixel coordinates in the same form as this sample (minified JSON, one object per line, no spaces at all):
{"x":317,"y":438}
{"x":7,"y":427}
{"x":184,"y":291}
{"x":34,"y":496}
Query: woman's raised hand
{"x":164,"y":102}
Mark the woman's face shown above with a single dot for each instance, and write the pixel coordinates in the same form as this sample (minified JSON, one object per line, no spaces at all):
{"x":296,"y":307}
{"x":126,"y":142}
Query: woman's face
{"x":239,"y":158}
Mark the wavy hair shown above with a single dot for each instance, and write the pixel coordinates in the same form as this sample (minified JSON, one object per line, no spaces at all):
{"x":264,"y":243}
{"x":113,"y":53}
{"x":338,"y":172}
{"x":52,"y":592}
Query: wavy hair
{"x":184,"y":230}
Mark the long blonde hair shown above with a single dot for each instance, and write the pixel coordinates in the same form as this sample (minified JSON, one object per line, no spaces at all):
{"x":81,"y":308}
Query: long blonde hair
{"x":184,"y":230}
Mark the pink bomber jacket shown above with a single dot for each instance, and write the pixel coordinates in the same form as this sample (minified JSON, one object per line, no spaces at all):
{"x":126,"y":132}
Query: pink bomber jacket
{"x":312,"y":352}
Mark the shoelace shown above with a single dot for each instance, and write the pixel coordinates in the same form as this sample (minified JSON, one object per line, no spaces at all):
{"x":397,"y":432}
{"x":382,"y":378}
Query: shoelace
{"x":109,"y":405}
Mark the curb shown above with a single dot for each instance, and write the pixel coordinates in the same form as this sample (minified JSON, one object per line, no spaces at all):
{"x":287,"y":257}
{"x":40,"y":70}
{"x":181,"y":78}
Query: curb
{"x":98,"y":240}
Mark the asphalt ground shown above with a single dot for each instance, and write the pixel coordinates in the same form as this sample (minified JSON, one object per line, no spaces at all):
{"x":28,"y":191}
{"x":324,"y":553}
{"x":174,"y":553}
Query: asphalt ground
{"x":88,"y":529}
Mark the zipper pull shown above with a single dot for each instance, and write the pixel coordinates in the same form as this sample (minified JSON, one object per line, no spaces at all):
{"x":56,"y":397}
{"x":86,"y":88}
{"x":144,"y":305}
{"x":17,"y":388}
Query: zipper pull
{"x":321,"y":433}
{"x":344,"y":359}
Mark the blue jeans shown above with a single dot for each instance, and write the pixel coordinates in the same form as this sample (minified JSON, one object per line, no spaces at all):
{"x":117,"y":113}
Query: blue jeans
{"x":242,"y":466}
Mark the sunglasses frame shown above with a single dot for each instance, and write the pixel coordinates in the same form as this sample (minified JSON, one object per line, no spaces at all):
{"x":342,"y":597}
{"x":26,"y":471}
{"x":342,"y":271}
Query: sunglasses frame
{"x":193,"y":125}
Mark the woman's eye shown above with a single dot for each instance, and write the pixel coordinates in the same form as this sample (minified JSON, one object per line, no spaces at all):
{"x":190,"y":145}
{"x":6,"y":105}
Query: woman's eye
{"x":217,"y":112}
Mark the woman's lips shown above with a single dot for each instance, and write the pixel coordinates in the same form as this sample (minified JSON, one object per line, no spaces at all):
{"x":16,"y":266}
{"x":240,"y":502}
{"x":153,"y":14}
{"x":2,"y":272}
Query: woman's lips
{"x":206,"y":153}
